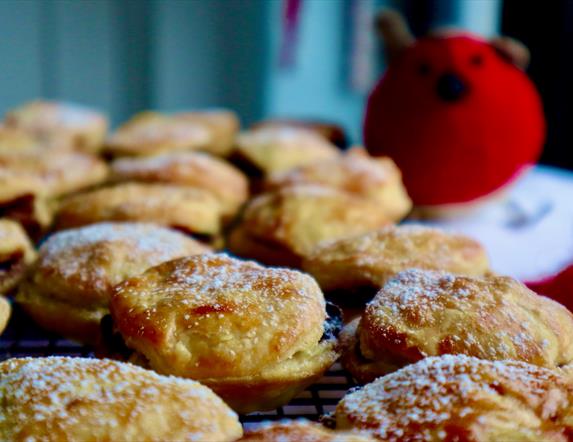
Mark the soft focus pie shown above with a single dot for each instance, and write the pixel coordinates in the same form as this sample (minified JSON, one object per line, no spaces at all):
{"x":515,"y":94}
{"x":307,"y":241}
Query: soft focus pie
{"x":361,"y":264}
{"x":16,"y":140}
{"x":460,"y":398}
{"x":53,"y":173}
{"x":257,"y":336}
{"x":68,"y":289}
{"x":267,"y":150}
{"x":191,"y":210}
{"x":65,"y":399}
{"x":152,"y":133}
{"x":421,"y":313}
{"x":60,"y":125}
{"x":222,"y":124}
{"x":281,"y":227}
{"x":29,"y":179}
{"x":357,"y":173}
{"x":330,"y":131}
{"x":193,"y":169}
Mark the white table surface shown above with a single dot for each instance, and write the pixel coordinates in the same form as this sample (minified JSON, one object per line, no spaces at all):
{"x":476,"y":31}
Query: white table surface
{"x":528,"y":234}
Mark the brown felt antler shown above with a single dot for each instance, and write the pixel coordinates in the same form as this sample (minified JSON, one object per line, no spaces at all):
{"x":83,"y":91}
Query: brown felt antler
{"x":394,"y":31}
{"x":396,"y":35}
{"x":512,"y":50}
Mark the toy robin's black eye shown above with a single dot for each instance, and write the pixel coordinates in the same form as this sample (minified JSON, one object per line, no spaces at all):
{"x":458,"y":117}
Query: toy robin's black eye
{"x":424,"y":69}
{"x":476,"y":60}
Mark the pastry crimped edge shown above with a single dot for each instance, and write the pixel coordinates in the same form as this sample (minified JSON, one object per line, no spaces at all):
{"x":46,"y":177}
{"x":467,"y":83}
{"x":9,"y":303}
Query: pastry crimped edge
{"x":274,"y":386}
{"x":70,"y":320}
{"x":277,"y":385}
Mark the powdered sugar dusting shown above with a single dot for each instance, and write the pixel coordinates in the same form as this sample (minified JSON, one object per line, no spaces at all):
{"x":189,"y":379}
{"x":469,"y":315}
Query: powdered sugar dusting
{"x":54,"y":115}
{"x":163,"y":128}
{"x":395,"y":248}
{"x":490,"y":317}
{"x":191,"y":161}
{"x":427,"y":400}
{"x":143,"y":237}
{"x":415,"y":288}
{"x":202,"y":278}
{"x":69,"y":393}
{"x":98,"y":254}
{"x":231,"y":317}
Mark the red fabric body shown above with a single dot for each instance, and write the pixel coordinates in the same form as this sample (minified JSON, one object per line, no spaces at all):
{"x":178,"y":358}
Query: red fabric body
{"x":558,"y":287}
{"x":452,"y":152}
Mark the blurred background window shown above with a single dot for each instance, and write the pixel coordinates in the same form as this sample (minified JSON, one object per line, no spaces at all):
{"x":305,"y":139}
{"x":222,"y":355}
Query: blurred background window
{"x":301,"y":58}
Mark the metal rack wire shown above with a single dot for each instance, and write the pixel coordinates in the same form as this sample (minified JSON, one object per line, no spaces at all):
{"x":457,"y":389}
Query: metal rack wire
{"x":23,"y":338}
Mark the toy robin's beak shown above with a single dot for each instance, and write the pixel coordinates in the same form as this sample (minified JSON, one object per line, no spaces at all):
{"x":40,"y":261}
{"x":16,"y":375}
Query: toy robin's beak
{"x":450,"y":87}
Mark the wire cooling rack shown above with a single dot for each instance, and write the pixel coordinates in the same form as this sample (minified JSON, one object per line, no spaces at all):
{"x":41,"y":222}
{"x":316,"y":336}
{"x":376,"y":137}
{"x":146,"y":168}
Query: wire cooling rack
{"x":23,"y":338}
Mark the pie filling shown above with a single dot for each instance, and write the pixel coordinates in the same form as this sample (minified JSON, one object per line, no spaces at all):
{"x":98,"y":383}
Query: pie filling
{"x":244,"y":164}
{"x":23,"y":210}
{"x":354,"y":297}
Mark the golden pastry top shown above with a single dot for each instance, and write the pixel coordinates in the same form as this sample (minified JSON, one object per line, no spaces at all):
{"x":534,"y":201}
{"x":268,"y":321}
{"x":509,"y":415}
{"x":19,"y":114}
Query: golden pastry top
{"x":299,"y":217}
{"x":277,"y":149}
{"x":80,"y":266}
{"x":462,"y":398}
{"x":195,"y":169}
{"x":90,"y":399}
{"x":369,"y":259}
{"x":357,"y":173}
{"x":425,"y":313}
{"x":151,"y":133}
{"x":185,"y":208}
{"x":212,"y":316}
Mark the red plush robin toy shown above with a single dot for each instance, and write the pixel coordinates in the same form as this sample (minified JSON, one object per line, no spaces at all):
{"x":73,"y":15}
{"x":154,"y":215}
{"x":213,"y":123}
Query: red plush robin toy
{"x":455,"y":112}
